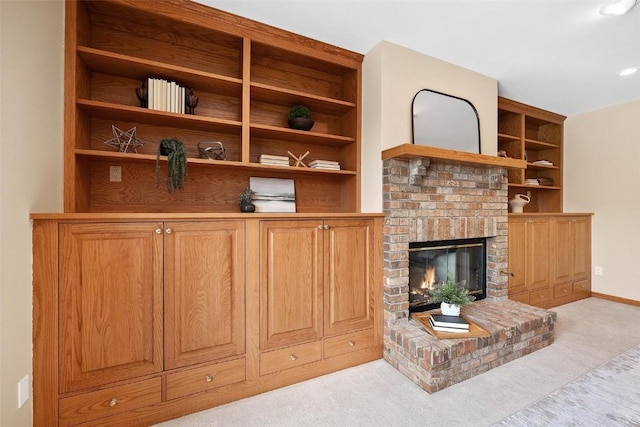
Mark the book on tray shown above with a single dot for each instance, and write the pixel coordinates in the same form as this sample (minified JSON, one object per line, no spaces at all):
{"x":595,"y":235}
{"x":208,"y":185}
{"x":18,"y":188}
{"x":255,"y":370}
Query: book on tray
{"x":446,"y":328}
{"x":324,"y":164}
{"x":449,"y":321}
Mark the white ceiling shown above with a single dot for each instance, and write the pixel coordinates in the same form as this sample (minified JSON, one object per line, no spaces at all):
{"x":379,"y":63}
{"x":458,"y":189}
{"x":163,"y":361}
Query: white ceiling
{"x":559,"y":55}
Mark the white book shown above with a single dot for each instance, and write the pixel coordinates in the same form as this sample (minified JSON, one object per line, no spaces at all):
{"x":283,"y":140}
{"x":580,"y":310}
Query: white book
{"x":150,"y":94}
{"x":172,"y":97}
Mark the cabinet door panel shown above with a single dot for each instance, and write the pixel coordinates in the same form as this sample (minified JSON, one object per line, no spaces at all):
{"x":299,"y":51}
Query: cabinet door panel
{"x":347,"y":289}
{"x":204,"y":291}
{"x":538,"y":263}
{"x":110,"y":303}
{"x":562,"y":250}
{"x":582,"y":248}
{"x":517,"y":256}
{"x":290,"y":282}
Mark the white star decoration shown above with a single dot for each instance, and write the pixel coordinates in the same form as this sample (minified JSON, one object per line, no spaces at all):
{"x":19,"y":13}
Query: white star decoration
{"x":124,"y":141}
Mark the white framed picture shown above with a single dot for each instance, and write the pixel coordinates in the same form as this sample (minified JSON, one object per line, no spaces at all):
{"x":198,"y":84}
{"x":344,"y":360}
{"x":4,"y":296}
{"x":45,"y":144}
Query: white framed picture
{"x":273,"y":194}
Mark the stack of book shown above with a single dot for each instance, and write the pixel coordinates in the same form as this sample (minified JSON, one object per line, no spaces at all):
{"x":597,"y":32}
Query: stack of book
{"x":164,"y":95}
{"x":270,"y":159}
{"x":442,"y":323}
{"x":324,"y":164}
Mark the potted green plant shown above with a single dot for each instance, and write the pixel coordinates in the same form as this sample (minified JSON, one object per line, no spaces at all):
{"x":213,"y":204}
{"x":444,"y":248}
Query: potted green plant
{"x":245,"y":200}
{"x":176,"y":163}
{"x":299,"y":118}
{"x":451,"y":296}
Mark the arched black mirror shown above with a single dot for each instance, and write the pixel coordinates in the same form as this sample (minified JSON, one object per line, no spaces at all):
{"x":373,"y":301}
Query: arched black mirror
{"x":445,"y":121}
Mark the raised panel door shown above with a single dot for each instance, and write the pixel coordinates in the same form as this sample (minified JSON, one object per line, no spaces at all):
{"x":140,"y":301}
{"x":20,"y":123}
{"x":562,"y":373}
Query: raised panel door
{"x":204,"y":291}
{"x":562,"y":250}
{"x":110,"y":304}
{"x":347,"y":275}
{"x":581,"y":248}
{"x":290,"y":282}
{"x":537,"y":253}
{"x":517,"y":256}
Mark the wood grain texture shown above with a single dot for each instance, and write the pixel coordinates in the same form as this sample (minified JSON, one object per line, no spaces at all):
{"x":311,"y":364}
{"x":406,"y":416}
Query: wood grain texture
{"x":204,"y":291}
{"x":409,"y":151}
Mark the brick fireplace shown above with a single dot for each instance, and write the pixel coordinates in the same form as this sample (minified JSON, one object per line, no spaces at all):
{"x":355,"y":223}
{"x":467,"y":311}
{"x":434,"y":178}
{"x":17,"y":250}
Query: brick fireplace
{"x":427,"y":199}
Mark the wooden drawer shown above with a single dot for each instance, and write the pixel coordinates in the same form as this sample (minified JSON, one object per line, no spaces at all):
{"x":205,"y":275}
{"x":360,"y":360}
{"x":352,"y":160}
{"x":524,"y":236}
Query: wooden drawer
{"x":347,"y":343}
{"x":290,"y":357}
{"x":582,"y":286}
{"x":205,"y":378}
{"x":564,"y":290}
{"x":111,"y":401}
{"x":540,"y":296}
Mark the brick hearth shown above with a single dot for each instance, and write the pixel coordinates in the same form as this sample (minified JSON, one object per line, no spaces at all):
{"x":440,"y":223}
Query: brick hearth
{"x":431,"y":200}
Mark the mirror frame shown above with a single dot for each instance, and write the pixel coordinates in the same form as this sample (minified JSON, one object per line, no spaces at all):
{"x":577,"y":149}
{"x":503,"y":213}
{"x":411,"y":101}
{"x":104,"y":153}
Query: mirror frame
{"x":471,"y":146}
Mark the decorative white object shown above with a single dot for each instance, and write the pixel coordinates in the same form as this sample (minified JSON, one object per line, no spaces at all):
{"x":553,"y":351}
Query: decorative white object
{"x":124,"y":141}
{"x":450,"y":309}
{"x":518,"y":202}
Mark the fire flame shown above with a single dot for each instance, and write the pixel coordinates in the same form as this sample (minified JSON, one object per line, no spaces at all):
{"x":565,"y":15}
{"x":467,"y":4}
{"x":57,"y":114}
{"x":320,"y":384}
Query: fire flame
{"x":429,"y":278}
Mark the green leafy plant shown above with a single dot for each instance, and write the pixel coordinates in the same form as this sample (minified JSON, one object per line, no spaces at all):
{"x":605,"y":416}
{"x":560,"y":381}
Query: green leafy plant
{"x":176,"y":163}
{"x":246,"y":196}
{"x":452,"y":293}
{"x":299,"y":111}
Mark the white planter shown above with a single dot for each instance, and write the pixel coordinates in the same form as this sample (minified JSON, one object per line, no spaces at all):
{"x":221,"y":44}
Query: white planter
{"x":450,"y":309}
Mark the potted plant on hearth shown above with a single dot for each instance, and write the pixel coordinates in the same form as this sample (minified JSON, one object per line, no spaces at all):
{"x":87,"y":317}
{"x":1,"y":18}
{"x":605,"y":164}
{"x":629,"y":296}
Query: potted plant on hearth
{"x":451,"y":296}
{"x":299,"y":118}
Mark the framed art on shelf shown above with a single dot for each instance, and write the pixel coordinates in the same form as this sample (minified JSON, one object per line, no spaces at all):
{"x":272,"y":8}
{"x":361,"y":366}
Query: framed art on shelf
{"x":273,"y":194}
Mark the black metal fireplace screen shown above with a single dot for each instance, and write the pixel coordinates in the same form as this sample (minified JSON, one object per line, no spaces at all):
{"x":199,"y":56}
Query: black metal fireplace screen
{"x":431,"y":262}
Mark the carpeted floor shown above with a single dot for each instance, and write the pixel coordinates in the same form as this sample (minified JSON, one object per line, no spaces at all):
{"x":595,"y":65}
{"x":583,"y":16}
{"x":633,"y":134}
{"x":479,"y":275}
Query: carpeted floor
{"x":607,"y":396}
{"x":589,"y":333}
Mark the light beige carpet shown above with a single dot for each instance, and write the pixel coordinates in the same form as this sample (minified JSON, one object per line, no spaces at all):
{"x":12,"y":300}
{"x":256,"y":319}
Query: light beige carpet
{"x":588,"y":333}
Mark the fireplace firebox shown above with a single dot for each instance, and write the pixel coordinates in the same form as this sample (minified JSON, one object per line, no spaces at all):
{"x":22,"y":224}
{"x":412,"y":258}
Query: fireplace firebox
{"x":431,"y":262}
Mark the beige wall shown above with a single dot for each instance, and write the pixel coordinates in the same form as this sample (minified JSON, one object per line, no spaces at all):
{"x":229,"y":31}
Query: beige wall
{"x":392,"y":75}
{"x":602,"y":175}
{"x":31,"y":76}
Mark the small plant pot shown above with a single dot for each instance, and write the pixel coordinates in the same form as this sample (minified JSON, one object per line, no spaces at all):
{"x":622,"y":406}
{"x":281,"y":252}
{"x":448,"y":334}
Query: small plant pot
{"x":301,"y":123}
{"x":247,"y":207}
{"x":450,"y":309}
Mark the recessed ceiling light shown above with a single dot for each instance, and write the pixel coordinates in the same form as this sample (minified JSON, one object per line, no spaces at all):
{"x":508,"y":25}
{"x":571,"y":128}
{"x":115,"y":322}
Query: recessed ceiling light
{"x":628,"y":71}
{"x":617,"y":7}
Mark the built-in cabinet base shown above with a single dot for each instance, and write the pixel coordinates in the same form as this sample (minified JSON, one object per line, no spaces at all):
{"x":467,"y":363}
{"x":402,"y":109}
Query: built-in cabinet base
{"x":549,"y":258}
{"x":143,"y":318}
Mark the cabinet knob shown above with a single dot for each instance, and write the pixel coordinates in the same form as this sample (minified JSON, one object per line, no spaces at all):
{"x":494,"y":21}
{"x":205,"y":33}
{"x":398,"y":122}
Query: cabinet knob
{"x":565,"y":291}
{"x":158,"y":231}
{"x":351,"y":343}
{"x":320,"y":227}
{"x":294,"y":357}
{"x":168,"y":231}
{"x":326,"y":227}
{"x":113,"y":402}
{"x":208,"y":378}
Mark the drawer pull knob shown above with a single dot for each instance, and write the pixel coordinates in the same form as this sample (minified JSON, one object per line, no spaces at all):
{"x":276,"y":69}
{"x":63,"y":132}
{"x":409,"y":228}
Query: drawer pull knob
{"x":351,"y":343}
{"x":565,"y":291}
{"x":158,"y":231}
{"x":113,"y":402}
{"x":208,"y":378}
{"x":294,"y":357}
{"x":320,"y":227}
{"x":169,"y":231}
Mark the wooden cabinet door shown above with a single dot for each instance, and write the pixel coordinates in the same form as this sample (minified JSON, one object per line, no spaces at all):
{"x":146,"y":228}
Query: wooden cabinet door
{"x":204,"y":291}
{"x":110,"y":304}
{"x":537,"y":253}
{"x":290,"y":282}
{"x":562,"y":250}
{"x":347,"y":275}
{"x":581,"y":241}
{"x":517,"y":255}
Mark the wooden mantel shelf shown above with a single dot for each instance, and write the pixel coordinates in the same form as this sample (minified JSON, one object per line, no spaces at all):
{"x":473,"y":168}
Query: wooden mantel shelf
{"x":412,"y":151}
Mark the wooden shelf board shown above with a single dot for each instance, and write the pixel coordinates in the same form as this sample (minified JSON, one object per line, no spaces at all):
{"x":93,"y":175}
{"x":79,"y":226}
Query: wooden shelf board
{"x":410,"y":151}
{"x":159,"y":118}
{"x":503,"y":137}
{"x":535,"y":166}
{"x":141,"y":69}
{"x":532,"y":144}
{"x":150,"y":158}
{"x":266,"y":131}
{"x":542,"y":187}
{"x":267,"y":93}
